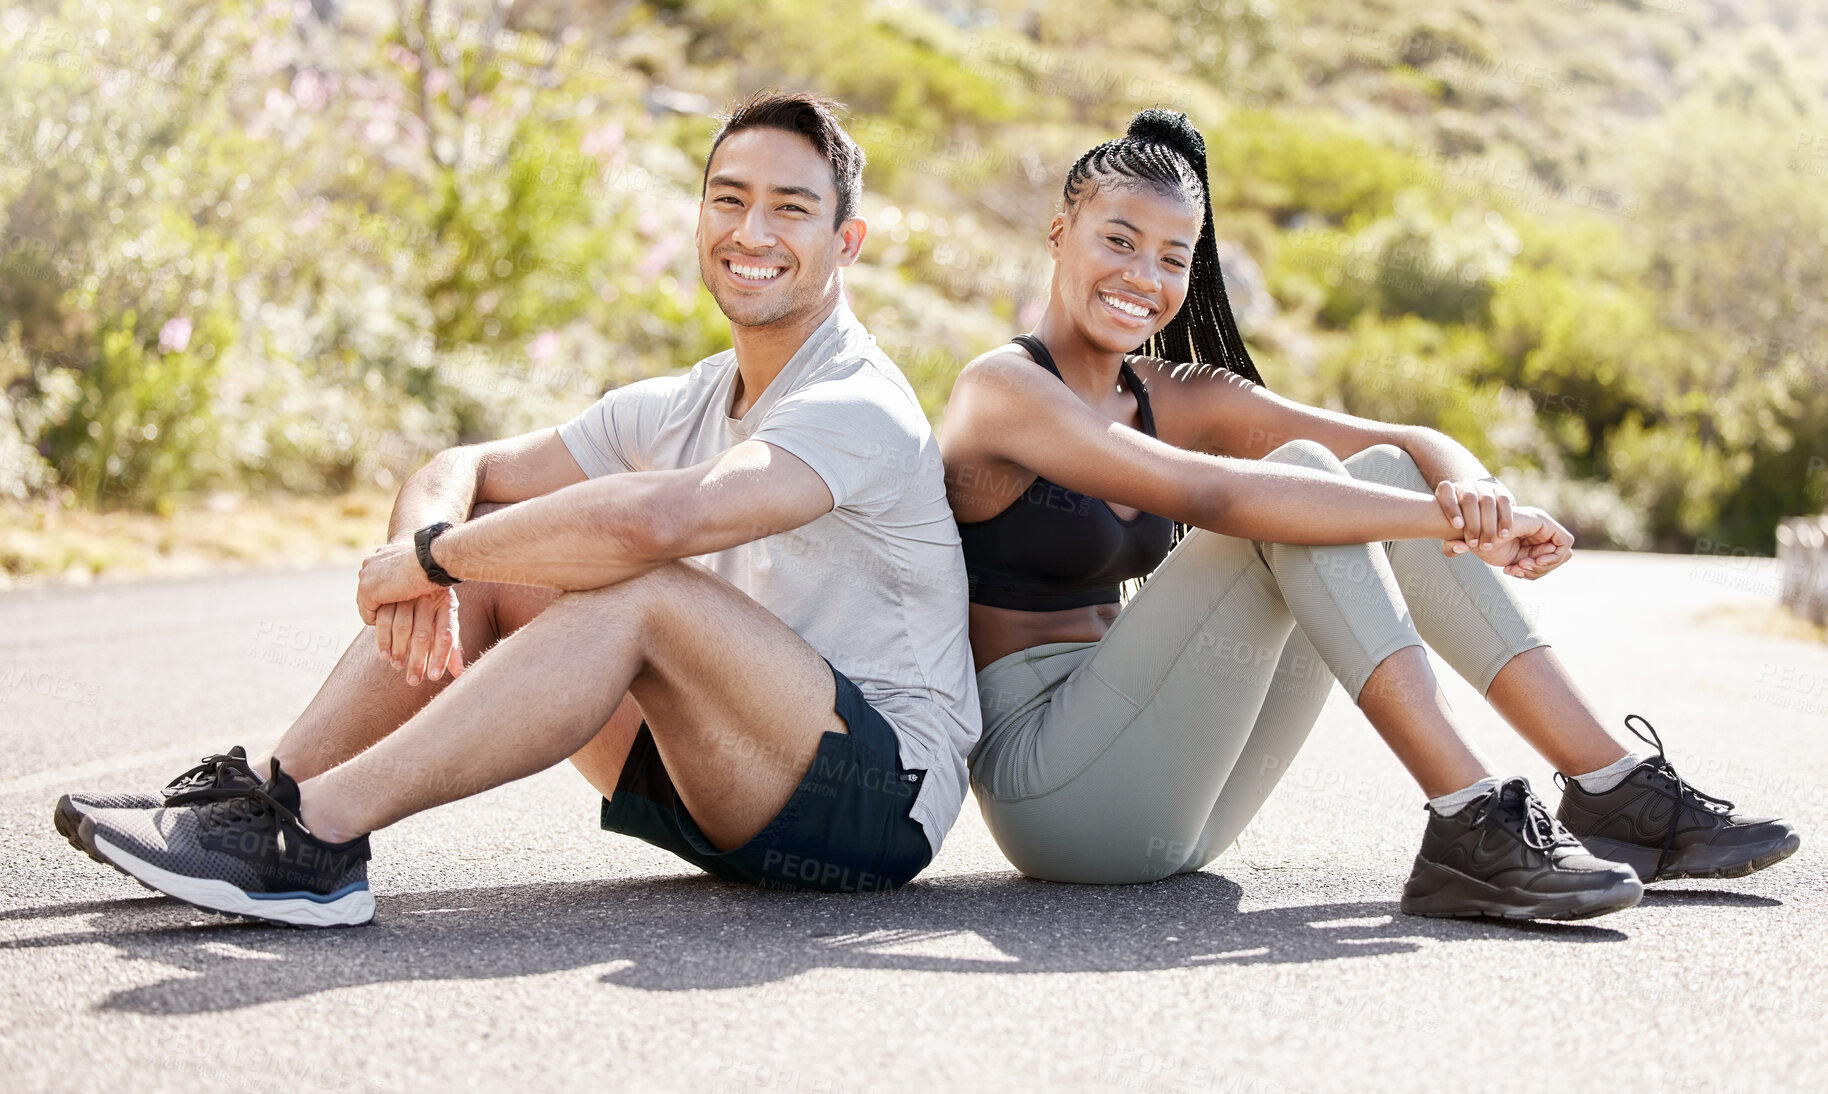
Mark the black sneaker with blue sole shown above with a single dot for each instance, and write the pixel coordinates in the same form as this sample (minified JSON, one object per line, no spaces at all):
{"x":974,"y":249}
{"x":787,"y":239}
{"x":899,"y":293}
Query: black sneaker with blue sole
{"x":217,"y":776}
{"x":245,"y":855}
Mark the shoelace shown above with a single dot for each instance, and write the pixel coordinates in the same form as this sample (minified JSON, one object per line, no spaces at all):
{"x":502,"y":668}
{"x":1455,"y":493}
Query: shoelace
{"x":1664,"y":769}
{"x":250,"y":805}
{"x":1684,"y":794}
{"x":204,"y":774}
{"x":1531,"y":818}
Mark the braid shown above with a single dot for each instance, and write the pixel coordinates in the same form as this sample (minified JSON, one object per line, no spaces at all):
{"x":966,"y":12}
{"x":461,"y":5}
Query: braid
{"x":1163,"y":151}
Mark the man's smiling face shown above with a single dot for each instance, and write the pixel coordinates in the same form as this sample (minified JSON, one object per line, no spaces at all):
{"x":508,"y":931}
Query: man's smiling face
{"x":769,"y":245}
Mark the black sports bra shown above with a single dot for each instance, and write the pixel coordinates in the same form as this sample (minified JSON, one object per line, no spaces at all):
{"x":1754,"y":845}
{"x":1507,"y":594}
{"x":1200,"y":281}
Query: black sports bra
{"x":1054,"y":548}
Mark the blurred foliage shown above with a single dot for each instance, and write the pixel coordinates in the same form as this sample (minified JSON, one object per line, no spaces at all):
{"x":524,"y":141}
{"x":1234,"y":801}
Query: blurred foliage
{"x":258,"y":246}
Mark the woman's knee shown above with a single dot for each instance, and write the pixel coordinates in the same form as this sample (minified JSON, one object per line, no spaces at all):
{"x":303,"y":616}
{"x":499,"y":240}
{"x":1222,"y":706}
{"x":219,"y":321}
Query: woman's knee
{"x":1305,"y":453}
{"x":1386,"y":464}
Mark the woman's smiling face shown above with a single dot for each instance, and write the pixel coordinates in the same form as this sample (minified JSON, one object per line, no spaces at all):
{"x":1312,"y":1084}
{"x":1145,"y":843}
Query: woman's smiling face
{"x":1123,"y":257}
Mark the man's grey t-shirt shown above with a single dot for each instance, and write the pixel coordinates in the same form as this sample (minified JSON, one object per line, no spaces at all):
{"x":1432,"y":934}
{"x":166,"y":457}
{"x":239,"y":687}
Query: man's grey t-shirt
{"x":877,"y":586}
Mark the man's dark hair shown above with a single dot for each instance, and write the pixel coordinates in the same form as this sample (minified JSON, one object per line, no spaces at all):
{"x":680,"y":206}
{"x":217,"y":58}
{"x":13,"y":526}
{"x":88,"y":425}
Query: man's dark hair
{"x":811,"y":117}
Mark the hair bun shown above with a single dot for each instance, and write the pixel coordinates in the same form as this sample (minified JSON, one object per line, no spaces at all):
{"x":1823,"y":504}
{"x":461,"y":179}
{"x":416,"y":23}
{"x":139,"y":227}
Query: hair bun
{"x":1171,"y":128}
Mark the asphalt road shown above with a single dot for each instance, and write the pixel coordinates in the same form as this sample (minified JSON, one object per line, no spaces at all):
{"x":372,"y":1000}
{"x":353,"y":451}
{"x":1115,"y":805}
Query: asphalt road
{"x":518,"y":947}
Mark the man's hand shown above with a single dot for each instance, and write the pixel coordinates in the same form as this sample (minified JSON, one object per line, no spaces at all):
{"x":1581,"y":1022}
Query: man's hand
{"x":421,"y":636}
{"x":1537,"y":543}
{"x":1481,"y":509}
{"x":415,"y":619}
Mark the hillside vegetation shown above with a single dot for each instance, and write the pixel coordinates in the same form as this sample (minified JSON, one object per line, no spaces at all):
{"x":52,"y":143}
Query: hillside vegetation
{"x":254,"y":247}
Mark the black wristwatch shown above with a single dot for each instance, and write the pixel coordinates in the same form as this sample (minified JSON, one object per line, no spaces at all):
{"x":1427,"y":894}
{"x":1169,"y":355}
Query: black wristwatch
{"x":422,"y":545}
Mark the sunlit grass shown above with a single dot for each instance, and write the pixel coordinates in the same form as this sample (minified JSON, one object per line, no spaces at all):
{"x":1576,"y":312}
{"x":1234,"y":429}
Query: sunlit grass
{"x":45,"y":541}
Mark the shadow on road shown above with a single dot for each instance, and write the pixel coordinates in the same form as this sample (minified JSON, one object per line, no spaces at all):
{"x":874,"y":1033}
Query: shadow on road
{"x":1705,"y":898}
{"x":699,"y":933}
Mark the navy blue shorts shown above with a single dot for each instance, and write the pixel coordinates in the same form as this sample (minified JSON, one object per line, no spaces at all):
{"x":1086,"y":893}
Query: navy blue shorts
{"x":846,"y":828}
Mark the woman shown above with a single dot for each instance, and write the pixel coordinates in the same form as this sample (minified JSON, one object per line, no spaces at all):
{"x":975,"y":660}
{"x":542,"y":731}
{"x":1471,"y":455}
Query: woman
{"x":1125,"y":744}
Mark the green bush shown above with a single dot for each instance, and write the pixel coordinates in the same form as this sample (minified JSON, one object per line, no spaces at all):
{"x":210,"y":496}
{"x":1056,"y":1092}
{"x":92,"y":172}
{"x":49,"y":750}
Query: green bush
{"x":249,"y":249}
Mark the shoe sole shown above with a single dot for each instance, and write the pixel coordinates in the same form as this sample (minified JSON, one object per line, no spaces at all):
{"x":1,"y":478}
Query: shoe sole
{"x":1644,"y":859}
{"x":68,"y":819}
{"x":351,"y":910}
{"x":1478,"y":899}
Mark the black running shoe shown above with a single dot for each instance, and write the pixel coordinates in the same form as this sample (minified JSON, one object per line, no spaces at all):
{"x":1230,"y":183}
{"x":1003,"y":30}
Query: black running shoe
{"x":1503,"y":855}
{"x":242,"y":855}
{"x":1666,"y":829}
{"x":217,"y":776}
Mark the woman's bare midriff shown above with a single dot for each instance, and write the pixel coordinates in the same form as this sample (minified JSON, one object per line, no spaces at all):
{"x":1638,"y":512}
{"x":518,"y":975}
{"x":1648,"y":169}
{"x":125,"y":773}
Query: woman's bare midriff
{"x":999,"y":632}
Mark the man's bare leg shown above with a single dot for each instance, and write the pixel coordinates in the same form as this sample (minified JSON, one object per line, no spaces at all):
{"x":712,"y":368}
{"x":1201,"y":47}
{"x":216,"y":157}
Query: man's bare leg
{"x":365,"y":698}
{"x":600,"y":761}
{"x":736,"y":701}
{"x":1535,"y":694}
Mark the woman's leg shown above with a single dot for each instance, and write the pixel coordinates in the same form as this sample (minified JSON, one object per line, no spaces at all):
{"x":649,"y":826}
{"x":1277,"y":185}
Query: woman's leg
{"x":1297,"y":692}
{"x":1471,"y":616}
{"x":1399,"y":696}
{"x":1100,"y":763}
{"x":1535,"y":694}
{"x":1115,"y":776}
{"x":1627,"y":807}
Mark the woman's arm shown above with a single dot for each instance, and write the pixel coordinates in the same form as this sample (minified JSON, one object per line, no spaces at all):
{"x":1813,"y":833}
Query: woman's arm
{"x":1005,"y":412}
{"x":1213,"y":410}
{"x":1008,"y":420}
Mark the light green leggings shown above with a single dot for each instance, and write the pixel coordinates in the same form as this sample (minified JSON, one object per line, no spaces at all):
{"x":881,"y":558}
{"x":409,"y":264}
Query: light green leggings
{"x":1145,"y":754}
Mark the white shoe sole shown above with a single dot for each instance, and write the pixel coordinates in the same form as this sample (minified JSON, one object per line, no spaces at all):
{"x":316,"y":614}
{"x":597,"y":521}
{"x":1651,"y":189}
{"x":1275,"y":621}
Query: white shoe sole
{"x":350,"y":910}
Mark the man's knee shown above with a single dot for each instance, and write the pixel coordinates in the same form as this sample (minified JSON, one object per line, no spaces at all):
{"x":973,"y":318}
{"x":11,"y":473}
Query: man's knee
{"x":1305,"y":453}
{"x":648,"y":596}
{"x":1387,"y":464}
{"x":484,"y":508}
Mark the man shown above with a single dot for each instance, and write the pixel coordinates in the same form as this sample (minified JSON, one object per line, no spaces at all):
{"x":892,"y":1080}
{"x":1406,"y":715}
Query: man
{"x":736,"y":603}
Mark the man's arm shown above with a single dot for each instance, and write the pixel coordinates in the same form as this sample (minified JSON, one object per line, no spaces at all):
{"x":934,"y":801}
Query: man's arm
{"x":509,"y":470}
{"x":420,"y":634}
{"x":614,"y":527}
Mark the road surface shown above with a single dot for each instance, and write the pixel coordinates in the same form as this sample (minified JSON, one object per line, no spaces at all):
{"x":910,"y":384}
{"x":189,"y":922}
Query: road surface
{"x":519,"y":947}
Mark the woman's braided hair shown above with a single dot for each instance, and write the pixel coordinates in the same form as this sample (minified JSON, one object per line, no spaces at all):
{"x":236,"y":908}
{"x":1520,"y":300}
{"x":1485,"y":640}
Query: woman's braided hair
{"x":1163,"y":151}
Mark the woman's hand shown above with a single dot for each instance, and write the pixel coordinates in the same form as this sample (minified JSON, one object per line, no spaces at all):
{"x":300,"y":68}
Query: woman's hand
{"x":1537,"y":543}
{"x":1480,"y":508}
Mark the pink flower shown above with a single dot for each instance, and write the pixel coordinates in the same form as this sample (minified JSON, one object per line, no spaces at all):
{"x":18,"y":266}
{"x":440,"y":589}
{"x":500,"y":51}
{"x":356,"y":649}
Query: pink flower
{"x":602,"y":142}
{"x":381,"y":128}
{"x":543,"y":348}
{"x":402,"y":56}
{"x":654,"y":262}
{"x":174,"y":335}
{"x":311,"y":89}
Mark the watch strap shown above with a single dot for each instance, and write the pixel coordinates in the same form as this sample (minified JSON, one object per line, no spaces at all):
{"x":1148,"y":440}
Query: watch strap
{"x":422,"y":546}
